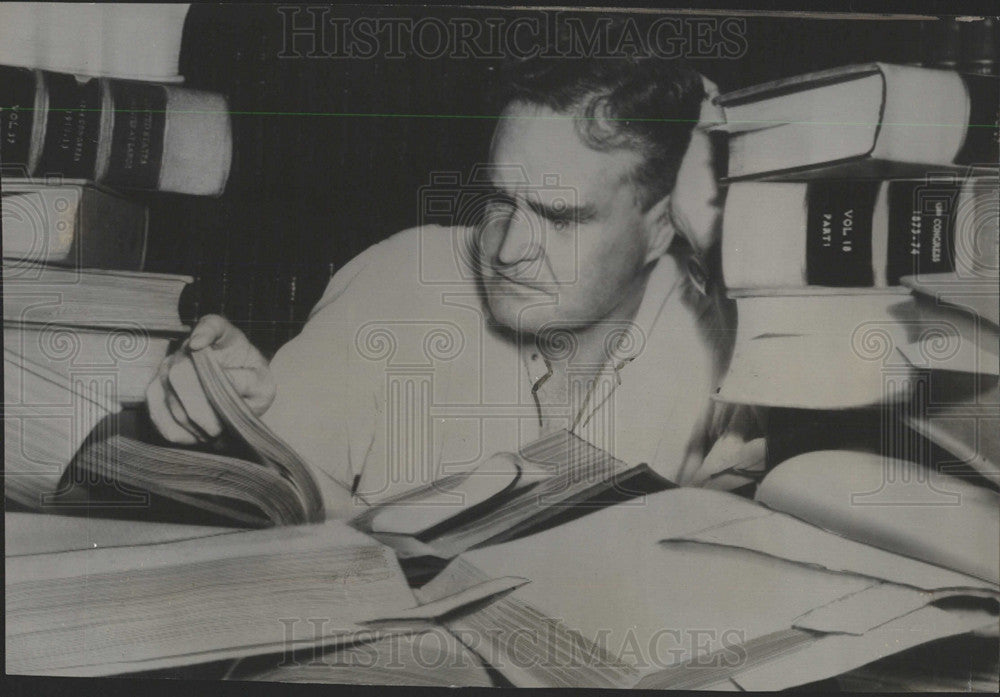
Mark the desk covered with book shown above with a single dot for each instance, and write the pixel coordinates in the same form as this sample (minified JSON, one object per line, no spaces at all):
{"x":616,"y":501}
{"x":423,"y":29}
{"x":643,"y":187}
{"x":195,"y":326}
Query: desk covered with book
{"x":863,"y":271}
{"x":710,"y":589}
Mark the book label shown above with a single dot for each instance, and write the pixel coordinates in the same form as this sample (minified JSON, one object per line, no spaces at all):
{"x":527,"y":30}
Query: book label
{"x":922,"y":216}
{"x":839,"y":232}
{"x":73,"y":127}
{"x":137,"y":134}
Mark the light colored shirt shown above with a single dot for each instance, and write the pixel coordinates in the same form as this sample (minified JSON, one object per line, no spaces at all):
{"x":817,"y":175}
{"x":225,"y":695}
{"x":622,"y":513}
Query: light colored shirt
{"x":399,"y":377}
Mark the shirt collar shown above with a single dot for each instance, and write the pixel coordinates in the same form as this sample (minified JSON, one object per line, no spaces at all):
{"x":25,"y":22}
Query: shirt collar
{"x":664,"y":279}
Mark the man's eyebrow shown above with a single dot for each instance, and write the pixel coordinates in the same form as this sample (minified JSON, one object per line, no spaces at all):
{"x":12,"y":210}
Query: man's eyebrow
{"x":566,"y":212}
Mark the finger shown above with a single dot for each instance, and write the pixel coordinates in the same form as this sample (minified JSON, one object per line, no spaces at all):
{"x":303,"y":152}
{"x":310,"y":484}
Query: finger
{"x":257,"y":387}
{"x":181,"y":417}
{"x":213,"y":330}
{"x":159,"y":414}
{"x":173,"y":403}
{"x":187,"y":387}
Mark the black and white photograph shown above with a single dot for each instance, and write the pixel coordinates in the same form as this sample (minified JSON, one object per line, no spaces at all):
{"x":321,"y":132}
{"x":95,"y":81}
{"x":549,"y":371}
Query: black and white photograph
{"x":385,"y":346}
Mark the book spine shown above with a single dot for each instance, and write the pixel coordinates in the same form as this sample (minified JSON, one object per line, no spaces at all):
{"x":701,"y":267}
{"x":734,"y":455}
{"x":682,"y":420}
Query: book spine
{"x":982,"y":137}
{"x":138,"y":117}
{"x":81,"y":226}
{"x":17,"y":118}
{"x":839,"y":229}
{"x":72,"y":128}
{"x":122,"y":133}
{"x":850,"y":233}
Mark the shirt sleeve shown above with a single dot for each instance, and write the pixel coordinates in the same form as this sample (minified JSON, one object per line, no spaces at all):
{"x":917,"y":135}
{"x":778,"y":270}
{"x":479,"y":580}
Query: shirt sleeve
{"x":325,"y":407}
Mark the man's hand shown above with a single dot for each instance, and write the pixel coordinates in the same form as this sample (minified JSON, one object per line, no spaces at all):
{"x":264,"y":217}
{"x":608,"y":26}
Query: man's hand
{"x":177,"y":403}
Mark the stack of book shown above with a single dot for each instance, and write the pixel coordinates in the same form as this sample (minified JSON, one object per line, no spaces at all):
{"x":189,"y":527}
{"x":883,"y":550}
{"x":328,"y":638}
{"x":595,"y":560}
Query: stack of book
{"x":847,"y":188}
{"x":89,"y":109}
{"x":860,"y":244}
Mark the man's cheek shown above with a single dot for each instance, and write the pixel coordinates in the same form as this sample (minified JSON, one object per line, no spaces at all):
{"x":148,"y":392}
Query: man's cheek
{"x":564,"y":260}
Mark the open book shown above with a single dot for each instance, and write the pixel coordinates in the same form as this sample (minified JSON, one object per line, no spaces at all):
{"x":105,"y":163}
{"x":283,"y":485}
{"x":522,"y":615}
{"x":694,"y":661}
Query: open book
{"x":554,"y":479}
{"x":703,"y":589}
{"x":97,"y":597}
{"x":272,"y":485}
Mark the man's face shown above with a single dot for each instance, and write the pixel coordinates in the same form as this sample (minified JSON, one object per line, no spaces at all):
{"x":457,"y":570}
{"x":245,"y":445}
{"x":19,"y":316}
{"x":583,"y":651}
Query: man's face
{"x":567,"y":254}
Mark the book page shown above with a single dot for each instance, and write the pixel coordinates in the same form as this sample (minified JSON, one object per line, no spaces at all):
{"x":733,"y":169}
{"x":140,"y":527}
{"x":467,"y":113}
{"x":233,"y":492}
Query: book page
{"x":39,"y":533}
{"x":122,"y":609}
{"x":785,"y":537}
{"x":837,"y":653}
{"x":270,"y":448}
{"x":430,"y":659}
{"x":607,"y":577}
{"x":419,"y":511}
{"x":892,"y":504}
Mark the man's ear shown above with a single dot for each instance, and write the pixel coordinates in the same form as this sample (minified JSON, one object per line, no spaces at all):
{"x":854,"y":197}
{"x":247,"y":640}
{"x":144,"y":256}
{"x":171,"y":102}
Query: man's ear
{"x":660,"y":229}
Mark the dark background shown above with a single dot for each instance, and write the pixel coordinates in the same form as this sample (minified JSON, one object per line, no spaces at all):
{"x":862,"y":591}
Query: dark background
{"x":309,"y":192}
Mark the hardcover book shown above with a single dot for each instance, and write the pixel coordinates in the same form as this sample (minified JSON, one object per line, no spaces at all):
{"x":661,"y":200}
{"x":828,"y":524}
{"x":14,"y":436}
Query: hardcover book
{"x":120,"y":133}
{"x":72,"y":223}
{"x":868,"y":120}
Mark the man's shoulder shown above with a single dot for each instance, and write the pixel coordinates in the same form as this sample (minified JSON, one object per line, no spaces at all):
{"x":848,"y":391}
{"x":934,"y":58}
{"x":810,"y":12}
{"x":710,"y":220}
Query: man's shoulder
{"x":405,"y":267}
{"x":423,"y":254}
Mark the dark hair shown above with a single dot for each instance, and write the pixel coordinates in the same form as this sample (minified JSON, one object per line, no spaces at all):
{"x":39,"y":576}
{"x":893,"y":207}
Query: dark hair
{"x":645,"y":103}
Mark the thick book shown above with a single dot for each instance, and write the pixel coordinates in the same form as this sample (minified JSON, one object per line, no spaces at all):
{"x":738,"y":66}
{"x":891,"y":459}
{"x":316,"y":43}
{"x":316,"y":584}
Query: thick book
{"x":714,"y":591}
{"x":120,"y":133}
{"x":550,"y":481}
{"x":823,"y":348}
{"x":127,"y":357}
{"x":145,"y":596}
{"x":270,"y":485}
{"x":130,"y":41}
{"x":873,"y":120}
{"x":849,"y":233}
{"x":429,"y":659}
{"x":58,"y":435}
{"x":72,"y":223}
{"x":43,"y":294}
{"x":265,"y":482}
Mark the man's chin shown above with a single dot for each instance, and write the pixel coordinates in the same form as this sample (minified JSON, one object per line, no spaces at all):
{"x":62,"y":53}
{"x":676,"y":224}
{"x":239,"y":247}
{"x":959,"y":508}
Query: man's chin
{"x":522,"y":312}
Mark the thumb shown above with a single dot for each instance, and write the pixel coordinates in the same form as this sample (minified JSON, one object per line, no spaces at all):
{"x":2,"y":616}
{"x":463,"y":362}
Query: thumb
{"x":211,"y":329}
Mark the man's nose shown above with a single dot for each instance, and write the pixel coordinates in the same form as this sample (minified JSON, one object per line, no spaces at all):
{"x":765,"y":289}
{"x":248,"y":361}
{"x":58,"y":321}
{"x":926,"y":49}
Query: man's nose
{"x":521,"y":241}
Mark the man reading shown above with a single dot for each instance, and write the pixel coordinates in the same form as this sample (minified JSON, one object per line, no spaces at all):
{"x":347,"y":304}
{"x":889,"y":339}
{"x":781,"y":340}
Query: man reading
{"x":570,"y":303}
